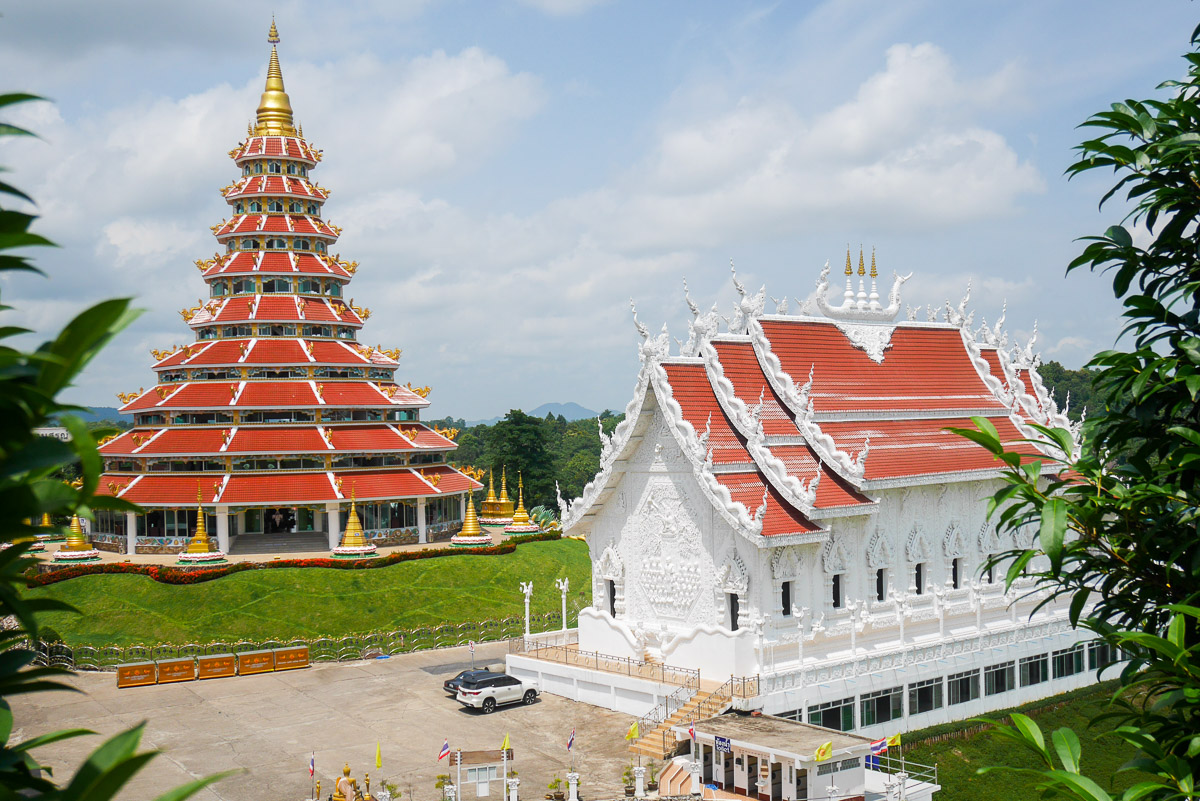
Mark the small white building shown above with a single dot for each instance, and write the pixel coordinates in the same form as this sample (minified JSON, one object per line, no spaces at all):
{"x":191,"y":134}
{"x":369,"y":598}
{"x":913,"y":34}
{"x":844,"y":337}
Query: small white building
{"x":782,"y":511}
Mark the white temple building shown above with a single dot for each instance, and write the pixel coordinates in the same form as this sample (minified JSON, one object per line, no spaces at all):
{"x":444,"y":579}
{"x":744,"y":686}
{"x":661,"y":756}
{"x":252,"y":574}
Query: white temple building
{"x":781,"y":523}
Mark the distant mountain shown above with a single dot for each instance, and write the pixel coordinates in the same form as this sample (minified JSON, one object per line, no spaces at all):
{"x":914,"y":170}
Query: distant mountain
{"x":570,"y":411}
{"x":102,"y":413}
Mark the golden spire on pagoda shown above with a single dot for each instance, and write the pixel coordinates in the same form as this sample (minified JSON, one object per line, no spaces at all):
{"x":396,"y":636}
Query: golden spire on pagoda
{"x":862,"y":267}
{"x":874,"y":272}
{"x":46,"y":521}
{"x":76,"y":539}
{"x":849,"y":269}
{"x":491,"y":496}
{"x":504,"y":485}
{"x":520,"y":517}
{"x":274,"y":116}
{"x":470,"y":526}
{"x":199,"y":543}
{"x":353,"y":537}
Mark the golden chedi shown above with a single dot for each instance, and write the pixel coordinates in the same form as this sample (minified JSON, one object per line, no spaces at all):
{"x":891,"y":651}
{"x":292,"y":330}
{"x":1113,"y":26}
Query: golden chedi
{"x":471,"y":535}
{"x":354,"y":543}
{"x":77,"y":548}
{"x":521,"y":524}
{"x":497,"y":511}
{"x":200,"y":549}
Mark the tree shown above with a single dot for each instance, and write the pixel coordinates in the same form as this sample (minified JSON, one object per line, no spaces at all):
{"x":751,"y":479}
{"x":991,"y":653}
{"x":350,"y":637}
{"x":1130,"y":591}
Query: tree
{"x":1071,"y":389}
{"x":1118,"y":520}
{"x":30,"y":486}
{"x":518,"y":444}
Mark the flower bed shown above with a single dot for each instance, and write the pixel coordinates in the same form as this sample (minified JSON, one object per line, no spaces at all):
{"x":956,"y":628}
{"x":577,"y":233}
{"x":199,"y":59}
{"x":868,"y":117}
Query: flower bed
{"x":76,"y":557}
{"x":495,"y":521}
{"x":482,"y":541}
{"x":529,"y":528}
{"x":194,"y":575}
{"x":354,"y":552}
{"x":210,"y":558}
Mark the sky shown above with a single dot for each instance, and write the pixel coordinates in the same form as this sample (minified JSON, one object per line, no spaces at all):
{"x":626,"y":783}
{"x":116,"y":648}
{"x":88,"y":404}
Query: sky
{"x":510,"y":173}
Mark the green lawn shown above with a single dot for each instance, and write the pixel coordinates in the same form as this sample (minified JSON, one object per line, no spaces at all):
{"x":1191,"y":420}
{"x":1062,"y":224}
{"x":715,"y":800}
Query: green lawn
{"x":284,"y":603}
{"x":958,"y":759}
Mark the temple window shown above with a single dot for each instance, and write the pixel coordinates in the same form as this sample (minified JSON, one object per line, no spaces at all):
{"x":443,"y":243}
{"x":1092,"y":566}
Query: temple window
{"x":380,"y":375}
{"x":320,"y":248}
{"x":1034,"y":670}
{"x":882,"y":706}
{"x":302,"y":244}
{"x":610,"y":589}
{"x":275,"y":206}
{"x":245,"y":169}
{"x":881,"y":584}
{"x":838,"y":592}
{"x":208,"y":374}
{"x":919,"y":578}
{"x":291,"y":168}
{"x":172,"y":375}
{"x":999,"y":678}
{"x":239,"y":208}
{"x":274,"y":167}
{"x":229,"y":246}
{"x":250,"y":244}
{"x":276,"y":244}
{"x":295,"y":207}
{"x":925,"y":696}
{"x":207,"y":333}
{"x":401,"y":415}
{"x":255,"y":206}
{"x":332,"y":288}
{"x":785,"y":593}
{"x":276,"y":284}
{"x":218,"y":289}
{"x":309,"y":286}
{"x":734,"y":604}
{"x":258,"y":167}
{"x":313,"y":209}
{"x":243,"y":286}
{"x":989,"y":574}
{"x":344,"y":332}
{"x":149,"y":419}
{"x":833,"y":714}
{"x":303,"y":171}
{"x":956,"y":572}
{"x":318,"y":331}
{"x":962,"y":687}
{"x":237,"y":331}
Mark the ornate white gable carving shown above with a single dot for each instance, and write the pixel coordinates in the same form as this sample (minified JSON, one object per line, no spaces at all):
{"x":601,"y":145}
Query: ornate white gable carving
{"x":917,"y":549}
{"x":610,"y":565}
{"x":879,"y":551}
{"x":834,"y":558}
{"x":989,"y":540}
{"x":732,"y":576}
{"x":871,"y":339}
{"x":662,"y":535}
{"x":952,"y":543}
{"x":786,"y":562}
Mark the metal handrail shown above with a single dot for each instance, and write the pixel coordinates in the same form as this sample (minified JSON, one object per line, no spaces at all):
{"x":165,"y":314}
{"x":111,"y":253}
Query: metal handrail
{"x":608,"y":663}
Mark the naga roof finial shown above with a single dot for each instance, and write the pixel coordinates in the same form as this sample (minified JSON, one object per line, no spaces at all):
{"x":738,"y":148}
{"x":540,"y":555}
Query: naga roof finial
{"x":862,"y":267}
{"x":849,"y":268}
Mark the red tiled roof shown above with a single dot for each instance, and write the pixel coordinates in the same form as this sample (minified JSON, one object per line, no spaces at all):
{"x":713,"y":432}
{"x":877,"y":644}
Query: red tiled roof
{"x":924,"y":369}
{"x":691,"y":389}
{"x":281,"y":488}
{"x":277,"y":393}
{"x":243,"y":262}
{"x":451,"y":480}
{"x":284,"y":146}
{"x":275,"y":185}
{"x":780,"y":518}
{"x":353,"y":393}
{"x":426,"y":437}
{"x":188,"y":395}
{"x":399,"y":483}
{"x":161,"y":490}
{"x":276,"y":439}
{"x":832,"y":490}
{"x":277,"y":352}
{"x":367,"y":438}
{"x":749,"y":384}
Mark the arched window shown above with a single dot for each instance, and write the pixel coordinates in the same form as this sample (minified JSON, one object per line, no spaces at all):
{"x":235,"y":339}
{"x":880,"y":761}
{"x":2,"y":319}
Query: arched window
{"x":301,"y":244}
{"x":303,"y":171}
{"x":250,"y":244}
{"x":229,"y":246}
{"x":243,"y":286}
{"x":258,"y":168}
{"x":218,"y":288}
{"x":314,"y":209}
{"x":276,"y":285}
{"x":310,"y":286}
{"x":295,"y":208}
{"x":320,"y":247}
{"x":333,"y":288}
{"x":274,"y":167}
{"x":291,"y":168}
{"x":275,"y":206}
{"x":255,"y":206}
{"x":276,"y":244}
{"x":245,"y":169}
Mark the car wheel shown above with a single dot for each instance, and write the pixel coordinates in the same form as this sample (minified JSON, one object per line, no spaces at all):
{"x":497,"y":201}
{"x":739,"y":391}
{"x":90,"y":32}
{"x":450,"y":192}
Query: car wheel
{"x":489,"y":705}
{"x":530,"y":695}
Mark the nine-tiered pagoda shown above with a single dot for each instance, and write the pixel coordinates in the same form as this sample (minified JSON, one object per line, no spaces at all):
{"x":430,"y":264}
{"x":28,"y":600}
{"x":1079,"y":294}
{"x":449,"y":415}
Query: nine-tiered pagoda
{"x":277,"y":414}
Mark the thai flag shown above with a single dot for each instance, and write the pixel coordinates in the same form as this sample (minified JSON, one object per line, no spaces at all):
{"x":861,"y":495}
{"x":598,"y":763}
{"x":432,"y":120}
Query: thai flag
{"x":692,"y":731}
{"x":445,"y":750}
{"x":571,"y":740}
{"x":879,"y":746}
{"x":312,"y":764}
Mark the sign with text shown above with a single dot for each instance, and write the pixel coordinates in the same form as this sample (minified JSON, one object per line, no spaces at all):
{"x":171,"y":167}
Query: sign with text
{"x":216,"y":666}
{"x":722,"y":745}
{"x":170,"y":670}
{"x":291,"y":658}
{"x":136,"y":674}
{"x":255,"y":662}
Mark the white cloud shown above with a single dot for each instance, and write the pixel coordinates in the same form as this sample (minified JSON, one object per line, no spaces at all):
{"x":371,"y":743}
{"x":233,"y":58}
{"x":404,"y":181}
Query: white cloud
{"x":562,"y":8}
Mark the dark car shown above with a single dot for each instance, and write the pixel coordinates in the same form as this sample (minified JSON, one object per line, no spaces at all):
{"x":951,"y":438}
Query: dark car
{"x":451,"y":685}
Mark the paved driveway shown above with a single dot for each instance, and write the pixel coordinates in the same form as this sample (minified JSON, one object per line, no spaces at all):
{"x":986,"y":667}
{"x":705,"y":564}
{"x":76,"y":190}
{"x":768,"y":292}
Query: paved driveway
{"x":268,"y":726}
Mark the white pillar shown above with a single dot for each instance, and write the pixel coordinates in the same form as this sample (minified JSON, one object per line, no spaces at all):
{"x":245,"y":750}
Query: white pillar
{"x":697,"y":779}
{"x":422,"y":537}
{"x":513,"y":784}
{"x":527,"y":588}
{"x":573,"y":786}
{"x":333,"y":511}
{"x":563,"y":584}
{"x":131,"y":532}
{"x":223,"y":528}
{"x":639,"y":778}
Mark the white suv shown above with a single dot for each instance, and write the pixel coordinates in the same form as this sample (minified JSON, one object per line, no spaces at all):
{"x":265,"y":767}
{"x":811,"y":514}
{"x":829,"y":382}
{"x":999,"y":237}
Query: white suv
{"x":490,"y":691}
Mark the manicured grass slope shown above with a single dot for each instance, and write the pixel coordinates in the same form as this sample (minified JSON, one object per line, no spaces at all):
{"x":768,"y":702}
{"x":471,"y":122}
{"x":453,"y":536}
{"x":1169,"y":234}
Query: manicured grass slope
{"x":958,"y":759}
{"x":309,"y":602}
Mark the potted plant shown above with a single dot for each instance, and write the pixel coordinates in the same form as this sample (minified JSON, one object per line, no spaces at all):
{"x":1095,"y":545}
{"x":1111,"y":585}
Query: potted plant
{"x":651,"y":775}
{"x":555,"y":788}
{"x":628,"y":780}
{"x":443,"y":779}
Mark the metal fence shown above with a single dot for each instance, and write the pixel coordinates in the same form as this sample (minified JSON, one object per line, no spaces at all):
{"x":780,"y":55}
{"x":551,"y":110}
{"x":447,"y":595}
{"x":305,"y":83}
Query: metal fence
{"x":321,"y":649}
{"x":571,"y":655}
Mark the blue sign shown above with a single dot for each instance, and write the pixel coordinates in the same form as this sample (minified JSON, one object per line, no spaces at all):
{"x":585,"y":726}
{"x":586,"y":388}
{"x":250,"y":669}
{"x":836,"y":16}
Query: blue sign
{"x":722,"y":745}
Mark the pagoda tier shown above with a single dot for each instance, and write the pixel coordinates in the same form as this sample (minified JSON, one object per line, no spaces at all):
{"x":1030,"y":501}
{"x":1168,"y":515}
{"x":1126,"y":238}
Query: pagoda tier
{"x":276,"y":416}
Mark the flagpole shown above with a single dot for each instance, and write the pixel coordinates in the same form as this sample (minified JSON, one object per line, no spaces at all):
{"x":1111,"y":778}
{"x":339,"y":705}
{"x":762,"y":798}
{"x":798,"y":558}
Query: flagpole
{"x":458,"y":780}
{"x":312,"y":777}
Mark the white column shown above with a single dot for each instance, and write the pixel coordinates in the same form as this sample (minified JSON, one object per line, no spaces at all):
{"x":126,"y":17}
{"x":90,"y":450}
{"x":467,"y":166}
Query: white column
{"x":334,"y":514}
{"x":639,"y":777}
{"x":131,"y":532}
{"x":422,"y":536}
{"x":573,"y":786}
{"x":223,"y":528}
{"x":697,"y":779}
{"x":527,"y":588}
{"x":563,"y":585}
{"x":513,"y":784}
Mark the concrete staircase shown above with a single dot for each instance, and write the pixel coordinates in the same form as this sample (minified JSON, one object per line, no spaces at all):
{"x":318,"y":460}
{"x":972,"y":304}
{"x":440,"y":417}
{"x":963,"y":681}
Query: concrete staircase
{"x":660,"y":743}
{"x":675,"y":780}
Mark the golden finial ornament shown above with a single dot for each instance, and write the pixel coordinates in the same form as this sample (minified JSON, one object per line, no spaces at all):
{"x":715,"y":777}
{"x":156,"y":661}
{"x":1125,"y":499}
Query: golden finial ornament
{"x":491,"y":496}
{"x":274,"y":114}
{"x":520,"y":516}
{"x":862,"y":267}
{"x":874,"y":272}
{"x":46,"y":521}
{"x":76,"y":539}
{"x":353,"y":537}
{"x":504,"y":485}
{"x":849,"y":269}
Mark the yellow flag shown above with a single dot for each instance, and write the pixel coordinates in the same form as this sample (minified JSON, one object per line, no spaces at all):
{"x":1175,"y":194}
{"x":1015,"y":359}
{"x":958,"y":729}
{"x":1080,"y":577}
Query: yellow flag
{"x":633,"y":732}
{"x":378,"y":756}
{"x":893,"y":740}
{"x":824,"y":752}
{"x":504,"y":746}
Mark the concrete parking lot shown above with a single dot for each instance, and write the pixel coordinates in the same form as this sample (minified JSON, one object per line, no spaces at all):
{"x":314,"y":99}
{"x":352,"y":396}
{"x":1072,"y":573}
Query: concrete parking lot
{"x":268,"y":725}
